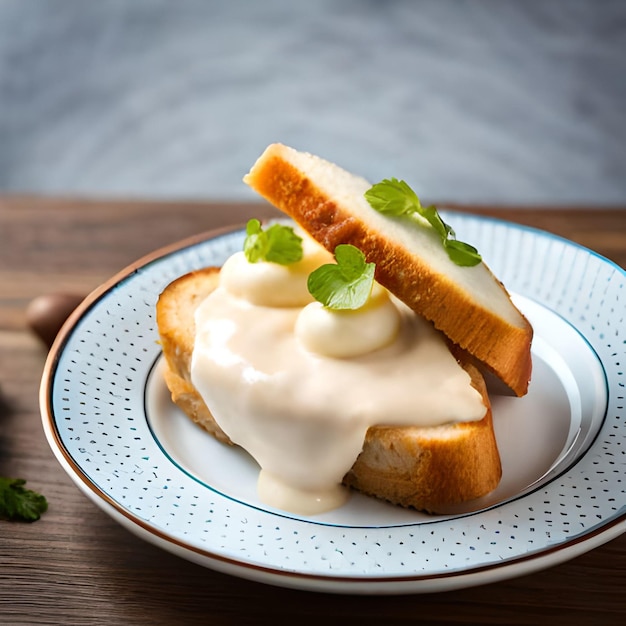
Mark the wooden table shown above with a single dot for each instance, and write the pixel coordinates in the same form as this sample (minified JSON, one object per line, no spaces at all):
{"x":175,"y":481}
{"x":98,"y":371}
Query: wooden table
{"x":77,"y":566}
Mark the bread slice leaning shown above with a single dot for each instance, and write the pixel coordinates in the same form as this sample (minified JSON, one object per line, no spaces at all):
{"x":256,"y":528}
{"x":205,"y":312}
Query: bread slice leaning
{"x":425,"y":468}
{"x":468,"y":304}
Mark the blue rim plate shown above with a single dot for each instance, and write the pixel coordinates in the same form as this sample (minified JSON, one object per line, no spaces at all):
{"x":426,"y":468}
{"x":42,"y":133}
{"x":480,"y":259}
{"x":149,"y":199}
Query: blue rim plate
{"x":109,"y":421}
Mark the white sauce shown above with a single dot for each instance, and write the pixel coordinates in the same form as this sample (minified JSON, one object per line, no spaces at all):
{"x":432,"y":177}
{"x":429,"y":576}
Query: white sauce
{"x":345,"y":334}
{"x":271,"y":284}
{"x":303,"y":414}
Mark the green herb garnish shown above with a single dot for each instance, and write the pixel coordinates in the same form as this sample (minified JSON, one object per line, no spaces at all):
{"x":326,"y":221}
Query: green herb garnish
{"x":276,"y":244}
{"x":395,"y":197}
{"x":18,"y":503}
{"x":346,"y":284}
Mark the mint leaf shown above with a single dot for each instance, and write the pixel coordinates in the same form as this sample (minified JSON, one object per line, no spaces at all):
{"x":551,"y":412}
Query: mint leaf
{"x":254,"y":245}
{"x":346,"y":284}
{"x":277,"y":244}
{"x":395,"y":197}
{"x":462,"y":253}
{"x":18,"y":503}
{"x":392,"y":197}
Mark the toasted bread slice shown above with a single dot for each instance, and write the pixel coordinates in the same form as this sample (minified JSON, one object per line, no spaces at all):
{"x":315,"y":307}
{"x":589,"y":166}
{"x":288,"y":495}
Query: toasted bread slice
{"x":175,"y":317}
{"x":468,"y":304}
{"x":425,"y":468}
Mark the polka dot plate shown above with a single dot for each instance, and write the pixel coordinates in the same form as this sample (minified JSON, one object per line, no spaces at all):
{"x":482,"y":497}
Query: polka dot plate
{"x":109,"y":421}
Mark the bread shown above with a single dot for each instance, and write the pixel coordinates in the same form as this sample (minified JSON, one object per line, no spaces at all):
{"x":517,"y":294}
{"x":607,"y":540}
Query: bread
{"x":425,"y":468}
{"x":175,"y":317}
{"x":175,"y":321}
{"x":431,"y":468}
{"x":468,"y":304}
{"x":185,"y":396}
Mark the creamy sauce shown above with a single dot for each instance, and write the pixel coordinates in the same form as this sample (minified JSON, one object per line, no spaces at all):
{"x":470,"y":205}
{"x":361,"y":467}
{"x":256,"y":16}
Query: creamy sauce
{"x":303,"y":413}
{"x":271,"y":284}
{"x":344,"y":334}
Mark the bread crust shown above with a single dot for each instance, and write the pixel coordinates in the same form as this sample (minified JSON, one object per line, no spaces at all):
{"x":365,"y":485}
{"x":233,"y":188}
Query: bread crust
{"x":425,"y":468}
{"x":499,"y":346}
{"x":175,"y":311}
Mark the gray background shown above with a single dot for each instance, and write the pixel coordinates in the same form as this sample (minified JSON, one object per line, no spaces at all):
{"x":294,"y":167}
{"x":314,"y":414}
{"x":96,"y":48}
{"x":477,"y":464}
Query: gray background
{"x":475,"y":101}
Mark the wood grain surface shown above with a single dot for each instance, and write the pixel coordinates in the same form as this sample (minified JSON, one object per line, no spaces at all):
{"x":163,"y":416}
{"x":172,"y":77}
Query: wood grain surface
{"x":78,"y":566}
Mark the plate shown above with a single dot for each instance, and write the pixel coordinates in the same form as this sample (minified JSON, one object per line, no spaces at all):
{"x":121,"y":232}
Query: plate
{"x":108,"y":419}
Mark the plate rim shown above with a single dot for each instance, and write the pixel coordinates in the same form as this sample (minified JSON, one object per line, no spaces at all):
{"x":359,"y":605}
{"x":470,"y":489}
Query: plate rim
{"x":410,"y":583}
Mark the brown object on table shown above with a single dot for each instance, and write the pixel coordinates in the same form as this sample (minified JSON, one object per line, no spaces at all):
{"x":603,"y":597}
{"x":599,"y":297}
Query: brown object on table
{"x":78,"y":566}
{"x":47,"y":313}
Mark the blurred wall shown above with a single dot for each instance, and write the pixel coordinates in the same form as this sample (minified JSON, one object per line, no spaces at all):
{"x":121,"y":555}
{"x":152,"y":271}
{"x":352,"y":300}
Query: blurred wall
{"x":477,"y":101}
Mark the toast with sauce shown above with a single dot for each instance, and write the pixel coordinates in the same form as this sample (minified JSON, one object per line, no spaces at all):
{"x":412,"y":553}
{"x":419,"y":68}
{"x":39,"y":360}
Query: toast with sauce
{"x":427,"y":468}
{"x":468,"y":304}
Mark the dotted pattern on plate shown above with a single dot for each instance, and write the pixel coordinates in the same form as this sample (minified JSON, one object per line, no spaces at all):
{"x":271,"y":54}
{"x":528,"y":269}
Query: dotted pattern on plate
{"x":99,"y":415}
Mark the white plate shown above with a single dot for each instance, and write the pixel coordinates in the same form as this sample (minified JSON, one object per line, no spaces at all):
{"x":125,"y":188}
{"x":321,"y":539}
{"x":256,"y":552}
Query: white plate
{"x":108,"y":419}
